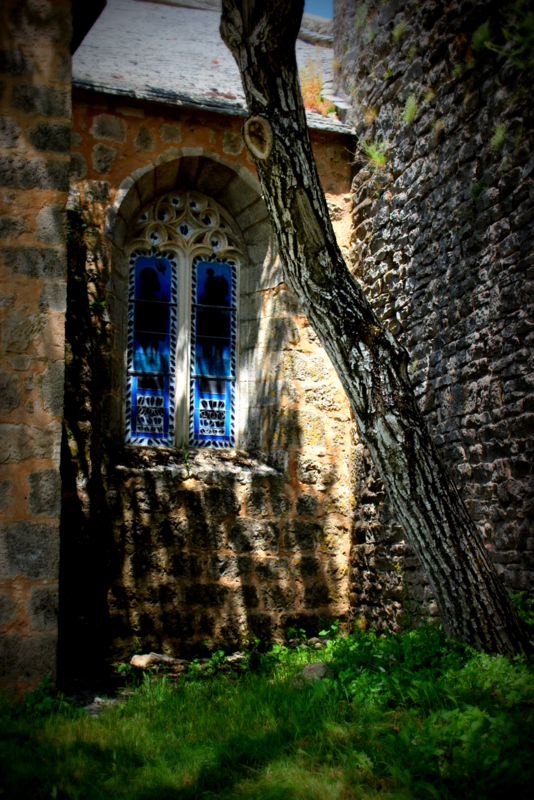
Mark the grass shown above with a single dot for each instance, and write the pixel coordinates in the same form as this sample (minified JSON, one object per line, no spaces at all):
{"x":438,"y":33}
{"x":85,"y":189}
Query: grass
{"x":375,"y":152}
{"x":311,"y":84}
{"x":406,"y":716}
{"x":498,"y":138}
{"x":410,"y":110}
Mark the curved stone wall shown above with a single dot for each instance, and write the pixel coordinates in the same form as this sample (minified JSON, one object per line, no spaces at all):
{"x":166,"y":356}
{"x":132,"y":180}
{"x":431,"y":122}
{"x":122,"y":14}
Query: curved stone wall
{"x":442,"y":242}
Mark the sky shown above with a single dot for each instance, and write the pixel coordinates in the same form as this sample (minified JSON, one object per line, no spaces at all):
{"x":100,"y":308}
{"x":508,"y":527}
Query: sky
{"x":323,"y":8}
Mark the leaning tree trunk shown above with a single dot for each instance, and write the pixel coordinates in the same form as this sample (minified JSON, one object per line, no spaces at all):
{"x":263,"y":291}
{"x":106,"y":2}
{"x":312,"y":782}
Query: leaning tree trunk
{"x":371,"y":365}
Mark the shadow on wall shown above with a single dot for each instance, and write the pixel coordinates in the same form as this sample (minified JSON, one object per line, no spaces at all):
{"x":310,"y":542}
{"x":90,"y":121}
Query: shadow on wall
{"x":166,"y":550}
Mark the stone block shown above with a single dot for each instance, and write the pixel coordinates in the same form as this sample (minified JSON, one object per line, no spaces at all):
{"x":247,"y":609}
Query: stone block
{"x":144,"y":142}
{"x":253,"y":214}
{"x":221,"y":501}
{"x":273,"y":569}
{"x":18,"y":442}
{"x":171,"y":132}
{"x":260,"y":626}
{"x":53,"y":296}
{"x":222,"y":567}
{"x":52,"y":224}
{"x":232,"y":143}
{"x":77,"y":167}
{"x":34,"y":173}
{"x":250,"y":596}
{"x":15,"y":63}
{"x":247,"y":536}
{"x":11,"y":226}
{"x":205,"y":595}
{"x":106,"y":126}
{"x":307,"y":505}
{"x":10,"y":392}
{"x":317,"y":595}
{"x":28,"y":658}
{"x":9,"y":132}
{"x":8,"y":609}
{"x":17,"y":331}
{"x":45,"y":492}
{"x":51,"y":137}
{"x":256,"y":502}
{"x":301,"y":536}
{"x":166,"y":175}
{"x":36,"y":262}
{"x":6,"y":494}
{"x":205,"y":535}
{"x":97,"y":192}
{"x":41,"y":100}
{"x":30,"y":549}
{"x":103,"y":157}
{"x":306,"y":567}
{"x":51,"y":387}
{"x":43,"y":608}
{"x":278,"y":597}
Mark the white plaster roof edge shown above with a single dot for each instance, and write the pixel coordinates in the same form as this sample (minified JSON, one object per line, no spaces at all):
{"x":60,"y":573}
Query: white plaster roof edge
{"x":315,"y":121}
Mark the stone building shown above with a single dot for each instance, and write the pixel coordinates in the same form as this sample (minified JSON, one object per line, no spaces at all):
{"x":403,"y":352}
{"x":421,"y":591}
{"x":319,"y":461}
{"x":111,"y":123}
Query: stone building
{"x":177,"y":454}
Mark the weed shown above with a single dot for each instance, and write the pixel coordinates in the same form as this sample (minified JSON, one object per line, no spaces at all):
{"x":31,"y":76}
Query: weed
{"x":476,"y":191}
{"x":413,"y":715}
{"x":457,"y":70}
{"x":388,"y":74}
{"x":369,"y":115}
{"x":361,"y":17}
{"x":398,"y":30}
{"x":497,"y":140}
{"x":410,"y":110}
{"x":375,"y":152}
{"x":411,"y":52}
{"x":311,"y":84}
{"x":518,"y":33}
{"x":523,"y":606}
{"x":481,"y":37}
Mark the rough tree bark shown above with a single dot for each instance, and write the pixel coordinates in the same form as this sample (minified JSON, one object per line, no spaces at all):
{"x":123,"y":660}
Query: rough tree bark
{"x":371,"y":365}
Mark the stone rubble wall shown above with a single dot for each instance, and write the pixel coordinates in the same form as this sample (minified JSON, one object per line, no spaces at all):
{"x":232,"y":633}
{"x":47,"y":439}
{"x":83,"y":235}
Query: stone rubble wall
{"x":442,"y":243}
{"x":35,"y":115}
{"x":178,"y":546}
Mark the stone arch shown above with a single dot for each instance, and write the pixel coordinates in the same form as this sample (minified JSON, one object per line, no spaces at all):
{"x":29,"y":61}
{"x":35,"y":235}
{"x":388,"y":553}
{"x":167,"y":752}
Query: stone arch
{"x":235,"y":189}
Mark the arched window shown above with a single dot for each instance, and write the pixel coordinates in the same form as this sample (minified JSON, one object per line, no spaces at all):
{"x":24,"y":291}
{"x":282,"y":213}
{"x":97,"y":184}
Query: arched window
{"x":184,"y":257}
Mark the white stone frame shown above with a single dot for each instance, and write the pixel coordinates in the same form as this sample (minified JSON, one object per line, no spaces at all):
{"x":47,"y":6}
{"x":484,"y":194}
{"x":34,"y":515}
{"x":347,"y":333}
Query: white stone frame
{"x":187,"y":224}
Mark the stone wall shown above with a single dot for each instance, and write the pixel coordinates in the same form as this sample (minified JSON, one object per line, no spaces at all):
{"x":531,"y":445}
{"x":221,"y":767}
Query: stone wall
{"x":442,"y":242}
{"x":35,"y":118}
{"x":171,"y":548}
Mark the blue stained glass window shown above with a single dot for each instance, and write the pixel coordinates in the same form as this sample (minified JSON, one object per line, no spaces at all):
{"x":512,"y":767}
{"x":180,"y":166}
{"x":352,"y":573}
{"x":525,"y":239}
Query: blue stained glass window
{"x":151,"y":348}
{"x":213,"y":348}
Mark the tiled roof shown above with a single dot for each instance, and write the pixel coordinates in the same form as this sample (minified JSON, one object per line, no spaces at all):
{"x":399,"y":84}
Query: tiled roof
{"x":174,"y":55}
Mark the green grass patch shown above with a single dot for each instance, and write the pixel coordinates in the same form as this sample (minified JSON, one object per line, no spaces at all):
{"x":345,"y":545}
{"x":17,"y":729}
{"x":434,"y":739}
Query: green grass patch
{"x":405,"y":716}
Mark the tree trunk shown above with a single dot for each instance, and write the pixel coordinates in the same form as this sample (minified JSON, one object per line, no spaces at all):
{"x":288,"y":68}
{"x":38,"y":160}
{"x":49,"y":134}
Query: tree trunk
{"x":371,"y":365}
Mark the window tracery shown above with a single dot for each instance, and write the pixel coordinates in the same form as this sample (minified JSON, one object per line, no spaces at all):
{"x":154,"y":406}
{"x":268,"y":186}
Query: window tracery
{"x":184,"y":257}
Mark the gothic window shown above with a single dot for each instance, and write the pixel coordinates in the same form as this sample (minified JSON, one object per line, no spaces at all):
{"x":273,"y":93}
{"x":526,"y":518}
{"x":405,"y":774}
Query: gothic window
{"x":184,"y":258}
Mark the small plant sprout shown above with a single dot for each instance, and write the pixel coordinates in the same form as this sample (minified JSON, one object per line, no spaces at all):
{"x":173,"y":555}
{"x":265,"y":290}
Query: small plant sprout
{"x":369,"y":115}
{"x":398,"y":30}
{"x":457,"y":70}
{"x":411,"y":52}
{"x":375,"y":152}
{"x":497,"y":140}
{"x":410,"y":110}
{"x":388,"y":74}
{"x":361,"y":17}
{"x":429,"y":95}
{"x":481,"y":37}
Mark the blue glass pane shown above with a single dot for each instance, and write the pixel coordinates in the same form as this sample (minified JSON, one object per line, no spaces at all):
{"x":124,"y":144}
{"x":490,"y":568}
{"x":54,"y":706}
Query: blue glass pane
{"x":212,"y":351}
{"x":212,"y":410}
{"x":150,"y":406}
{"x":151,"y":320}
{"x":213,"y":284}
